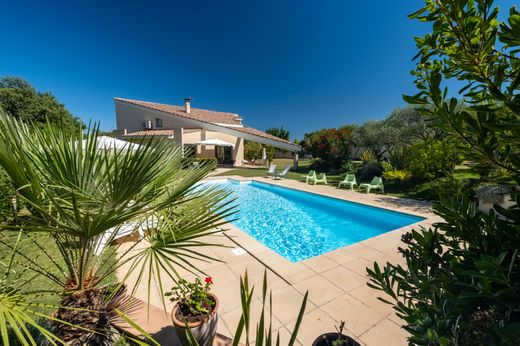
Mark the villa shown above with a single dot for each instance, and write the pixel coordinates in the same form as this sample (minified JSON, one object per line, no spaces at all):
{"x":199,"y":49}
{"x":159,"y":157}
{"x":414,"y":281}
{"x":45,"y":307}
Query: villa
{"x":210,"y":134}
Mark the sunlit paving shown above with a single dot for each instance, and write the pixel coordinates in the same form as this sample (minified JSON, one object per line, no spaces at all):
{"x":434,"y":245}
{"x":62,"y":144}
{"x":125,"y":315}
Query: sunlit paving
{"x":260,"y":173}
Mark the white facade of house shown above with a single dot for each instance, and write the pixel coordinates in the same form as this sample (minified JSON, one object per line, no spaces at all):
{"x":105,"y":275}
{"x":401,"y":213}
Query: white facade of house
{"x":189,"y":126}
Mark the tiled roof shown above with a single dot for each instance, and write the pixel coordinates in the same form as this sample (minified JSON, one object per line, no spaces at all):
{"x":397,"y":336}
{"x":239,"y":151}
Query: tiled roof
{"x":195,"y":113}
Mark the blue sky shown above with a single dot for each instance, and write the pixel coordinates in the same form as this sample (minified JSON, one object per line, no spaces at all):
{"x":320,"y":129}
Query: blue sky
{"x":303,"y":65}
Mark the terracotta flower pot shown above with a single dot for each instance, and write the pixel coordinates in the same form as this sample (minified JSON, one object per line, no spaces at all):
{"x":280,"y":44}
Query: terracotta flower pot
{"x":327,"y":339}
{"x":203,"y":331}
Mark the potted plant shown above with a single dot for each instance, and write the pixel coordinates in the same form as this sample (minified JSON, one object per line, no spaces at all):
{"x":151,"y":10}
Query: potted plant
{"x":335,"y":338}
{"x":196,"y":308}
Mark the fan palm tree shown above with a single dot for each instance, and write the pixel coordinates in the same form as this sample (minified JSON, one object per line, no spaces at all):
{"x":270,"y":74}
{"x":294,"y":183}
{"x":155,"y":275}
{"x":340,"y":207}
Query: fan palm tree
{"x":83,"y":198}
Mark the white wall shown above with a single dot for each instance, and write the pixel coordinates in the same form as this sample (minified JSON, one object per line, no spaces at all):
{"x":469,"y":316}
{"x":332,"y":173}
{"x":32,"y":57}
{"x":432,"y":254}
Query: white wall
{"x":131,"y":118}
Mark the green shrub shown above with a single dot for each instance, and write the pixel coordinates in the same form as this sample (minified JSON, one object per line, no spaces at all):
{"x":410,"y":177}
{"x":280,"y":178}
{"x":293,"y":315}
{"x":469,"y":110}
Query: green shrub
{"x":252,"y":150}
{"x":390,"y":173}
{"x":396,"y":174}
{"x":449,"y":187}
{"x":460,"y":281}
{"x":432,"y":159}
{"x":368,"y":156}
{"x":349,"y":167}
{"x":387,"y":166}
{"x":398,"y":156}
{"x":459,"y":284}
{"x":370,"y":170}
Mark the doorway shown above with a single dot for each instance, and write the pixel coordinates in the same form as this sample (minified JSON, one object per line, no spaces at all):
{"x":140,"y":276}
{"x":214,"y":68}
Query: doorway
{"x":224,"y":155}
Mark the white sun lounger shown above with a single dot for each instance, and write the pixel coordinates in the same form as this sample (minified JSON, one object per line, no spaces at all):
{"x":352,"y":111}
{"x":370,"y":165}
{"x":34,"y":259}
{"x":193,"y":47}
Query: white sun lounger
{"x":283,"y":174}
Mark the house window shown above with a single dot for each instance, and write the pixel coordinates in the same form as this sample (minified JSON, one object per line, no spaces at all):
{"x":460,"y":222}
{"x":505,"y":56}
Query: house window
{"x":158,"y":122}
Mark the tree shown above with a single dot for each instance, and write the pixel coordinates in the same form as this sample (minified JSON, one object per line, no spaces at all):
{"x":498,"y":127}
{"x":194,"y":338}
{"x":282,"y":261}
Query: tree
{"x":460,"y":285}
{"x":252,"y":150}
{"x":432,"y":159}
{"x":376,"y":136}
{"x":332,"y":146}
{"x":403,"y":127}
{"x":490,"y":77}
{"x":412,"y":126}
{"x":21,"y":100}
{"x":79,"y":198}
{"x":279,"y":132}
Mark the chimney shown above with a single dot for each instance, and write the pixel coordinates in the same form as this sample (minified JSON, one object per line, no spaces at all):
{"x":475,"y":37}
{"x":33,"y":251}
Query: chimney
{"x":187,"y":104}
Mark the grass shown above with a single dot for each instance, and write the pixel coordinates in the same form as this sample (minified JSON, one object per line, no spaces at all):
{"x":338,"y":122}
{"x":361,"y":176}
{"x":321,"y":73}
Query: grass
{"x":41,"y":249}
{"x":29,"y":245}
{"x":413,"y":188}
{"x":303,"y":168}
{"x":465,"y":172}
{"x":302,"y":163}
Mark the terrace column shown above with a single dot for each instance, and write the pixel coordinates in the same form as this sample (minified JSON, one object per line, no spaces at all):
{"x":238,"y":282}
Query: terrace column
{"x":238,"y":151}
{"x":178,"y":136}
{"x":295,"y":162}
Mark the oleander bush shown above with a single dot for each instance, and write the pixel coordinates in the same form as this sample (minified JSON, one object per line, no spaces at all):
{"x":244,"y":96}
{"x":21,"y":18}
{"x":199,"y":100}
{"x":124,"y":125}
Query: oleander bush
{"x":461,"y":281}
{"x":331,"y":147}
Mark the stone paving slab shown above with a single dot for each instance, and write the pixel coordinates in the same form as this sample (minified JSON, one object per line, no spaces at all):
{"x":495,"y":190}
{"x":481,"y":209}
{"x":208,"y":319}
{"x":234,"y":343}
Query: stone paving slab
{"x":336,"y":281}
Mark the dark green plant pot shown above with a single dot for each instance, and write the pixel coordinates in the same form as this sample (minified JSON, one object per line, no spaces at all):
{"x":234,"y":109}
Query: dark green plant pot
{"x":204,"y":332}
{"x":328,"y":338}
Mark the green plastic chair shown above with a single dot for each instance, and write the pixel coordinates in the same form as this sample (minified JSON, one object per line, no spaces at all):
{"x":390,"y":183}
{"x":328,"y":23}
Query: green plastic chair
{"x":310,"y":176}
{"x":350,"y":180}
{"x":376,"y":183}
{"x":322,"y":179}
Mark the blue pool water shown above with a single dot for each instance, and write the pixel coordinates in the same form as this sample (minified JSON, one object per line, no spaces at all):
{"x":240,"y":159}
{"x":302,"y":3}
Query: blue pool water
{"x":300,"y":225}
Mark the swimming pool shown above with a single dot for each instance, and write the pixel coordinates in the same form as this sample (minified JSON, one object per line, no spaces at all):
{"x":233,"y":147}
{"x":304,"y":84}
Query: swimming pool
{"x":299,"y":225}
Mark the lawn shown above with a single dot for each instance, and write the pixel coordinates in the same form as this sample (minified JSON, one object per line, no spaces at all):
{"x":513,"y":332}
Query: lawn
{"x":299,"y":175}
{"x":40,"y":249}
{"x":412,"y":188}
{"x":303,"y":168}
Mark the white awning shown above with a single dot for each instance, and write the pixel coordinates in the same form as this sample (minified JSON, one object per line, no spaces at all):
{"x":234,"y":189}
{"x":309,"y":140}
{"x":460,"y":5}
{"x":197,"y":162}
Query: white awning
{"x":109,"y":143}
{"x":217,"y":142}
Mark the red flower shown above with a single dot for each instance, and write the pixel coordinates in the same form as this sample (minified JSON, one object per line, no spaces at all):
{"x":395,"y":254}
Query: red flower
{"x":208,"y":280}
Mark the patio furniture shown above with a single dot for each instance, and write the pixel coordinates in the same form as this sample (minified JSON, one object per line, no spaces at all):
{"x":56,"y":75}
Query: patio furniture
{"x":310,"y":176}
{"x":119,"y":232}
{"x":350,"y":180}
{"x":322,"y":179}
{"x":283,"y":174}
{"x":271,"y":172}
{"x":376,"y":183}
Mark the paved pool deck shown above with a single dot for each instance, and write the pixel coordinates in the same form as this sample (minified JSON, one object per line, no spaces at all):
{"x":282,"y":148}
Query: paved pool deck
{"x":336,"y":281}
